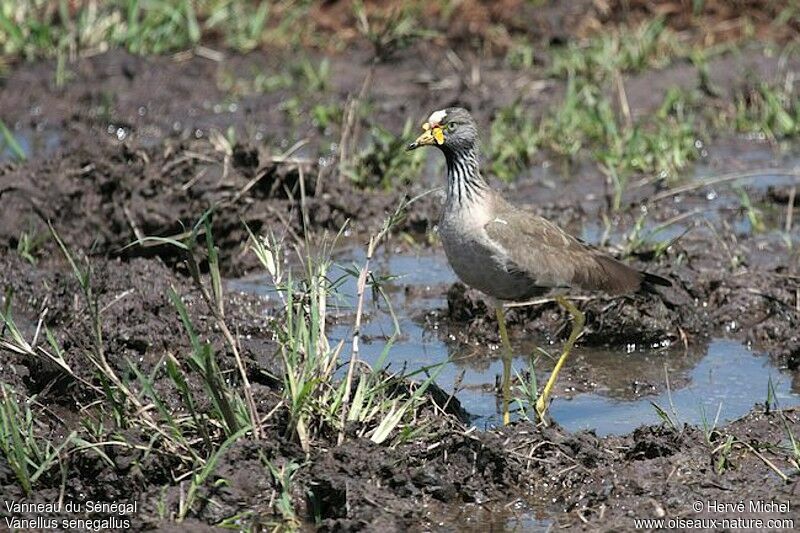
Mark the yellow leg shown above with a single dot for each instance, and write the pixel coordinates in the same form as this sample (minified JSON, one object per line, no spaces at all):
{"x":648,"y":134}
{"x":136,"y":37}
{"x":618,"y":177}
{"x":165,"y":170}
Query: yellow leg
{"x":578,"y":321}
{"x":507,"y":355}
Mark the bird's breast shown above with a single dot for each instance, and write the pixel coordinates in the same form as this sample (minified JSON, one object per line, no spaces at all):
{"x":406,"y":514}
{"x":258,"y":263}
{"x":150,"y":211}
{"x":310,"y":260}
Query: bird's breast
{"x":477,"y":260}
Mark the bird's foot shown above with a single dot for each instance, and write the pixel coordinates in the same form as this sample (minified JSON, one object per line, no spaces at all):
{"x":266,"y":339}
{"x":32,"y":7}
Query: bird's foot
{"x":541,"y":410}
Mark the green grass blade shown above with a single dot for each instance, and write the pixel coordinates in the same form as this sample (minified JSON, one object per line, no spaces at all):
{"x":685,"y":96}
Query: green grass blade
{"x":11,"y":141}
{"x":211,"y":464}
{"x":47,"y":462}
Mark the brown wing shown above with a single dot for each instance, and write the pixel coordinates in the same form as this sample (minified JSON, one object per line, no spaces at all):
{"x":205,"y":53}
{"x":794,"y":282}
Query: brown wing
{"x":541,"y":250}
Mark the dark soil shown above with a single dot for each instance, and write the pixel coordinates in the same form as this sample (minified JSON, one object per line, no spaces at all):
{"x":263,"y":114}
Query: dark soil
{"x":101,"y":193}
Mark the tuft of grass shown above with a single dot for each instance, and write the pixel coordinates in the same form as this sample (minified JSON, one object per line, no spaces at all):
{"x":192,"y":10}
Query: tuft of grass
{"x":769,"y":110}
{"x":201,"y":475}
{"x":316,"y":403}
{"x":792,"y":447}
{"x":28,"y":28}
{"x":42,"y":28}
{"x":260,"y":83}
{"x":62,"y":74}
{"x":669,"y":418}
{"x":643,"y":240}
{"x":663,"y":150}
{"x":520,"y":55}
{"x":327,"y":115}
{"x":513,"y":141}
{"x":243,"y":24}
{"x":754,"y":215}
{"x":28,"y":246}
{"x":192,"y":438}
{"x":710,"y":427}
{"x":308,"y":360}
{"x":391,"y":31}
{"x":659,"y":145}
{"x":158,"y":26}
{"x":663,"y":144}
{"x":309,"y":76}
{"x":771,"y":402}
{"x":529,"y":389}
{"x":28,"y":455}
{"x":308,"y":80}
{"x":794,"y":444}
{"x":305,"y":81}
{"x":196,"y":441}
{"x":226,"y":402}
{"x":118,"y":395}
{"x":723,"y":455}
{"x":384,"y":163}
{"x":650,"y":45}
{"x":282,"y":478}
{"x":228,"y":414}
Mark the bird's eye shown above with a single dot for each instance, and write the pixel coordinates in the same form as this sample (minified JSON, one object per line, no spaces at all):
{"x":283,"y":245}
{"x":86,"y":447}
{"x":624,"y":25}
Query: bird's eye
{"x":451,"y":126}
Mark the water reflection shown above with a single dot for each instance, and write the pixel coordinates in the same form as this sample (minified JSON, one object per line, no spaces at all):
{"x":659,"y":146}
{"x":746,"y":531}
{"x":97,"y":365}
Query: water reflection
{"x":621,"y":384}
{"x":32,"y":142}
{"x":488,"y":517}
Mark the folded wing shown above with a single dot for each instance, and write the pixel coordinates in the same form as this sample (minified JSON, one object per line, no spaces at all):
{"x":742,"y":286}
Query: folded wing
{"x":545,"y":253}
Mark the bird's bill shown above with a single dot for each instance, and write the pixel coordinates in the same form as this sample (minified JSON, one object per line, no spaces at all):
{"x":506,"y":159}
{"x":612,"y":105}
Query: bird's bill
{"x":431,"y":135}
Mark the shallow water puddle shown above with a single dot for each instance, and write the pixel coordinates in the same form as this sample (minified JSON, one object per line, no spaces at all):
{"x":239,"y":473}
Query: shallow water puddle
{"x":728,"y":378}
{"x":488,"y":517}
{"x":724,"y":375}
{"x":31,"y":142}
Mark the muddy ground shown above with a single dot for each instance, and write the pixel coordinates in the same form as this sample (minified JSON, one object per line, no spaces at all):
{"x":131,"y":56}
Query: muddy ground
{"x":135,"y":155}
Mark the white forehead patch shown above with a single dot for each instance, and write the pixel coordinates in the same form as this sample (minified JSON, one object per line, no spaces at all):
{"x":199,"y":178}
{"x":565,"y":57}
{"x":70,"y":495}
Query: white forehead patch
{"x":437,"y":116}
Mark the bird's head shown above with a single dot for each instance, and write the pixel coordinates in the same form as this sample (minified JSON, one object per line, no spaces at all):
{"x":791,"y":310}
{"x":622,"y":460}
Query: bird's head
{"x":448,"y":129}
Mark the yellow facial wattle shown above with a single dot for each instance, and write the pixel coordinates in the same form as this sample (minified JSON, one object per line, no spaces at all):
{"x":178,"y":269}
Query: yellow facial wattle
{"x":436,"y":131}
{"x":432,"y":134}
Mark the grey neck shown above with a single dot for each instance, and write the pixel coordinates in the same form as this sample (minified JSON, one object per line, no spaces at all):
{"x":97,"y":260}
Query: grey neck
{"x":465,"y":185}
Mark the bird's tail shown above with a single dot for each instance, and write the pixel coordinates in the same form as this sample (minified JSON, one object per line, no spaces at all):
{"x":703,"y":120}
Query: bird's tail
{"x":649,"y":282}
